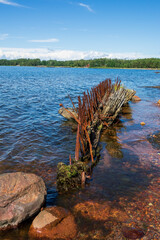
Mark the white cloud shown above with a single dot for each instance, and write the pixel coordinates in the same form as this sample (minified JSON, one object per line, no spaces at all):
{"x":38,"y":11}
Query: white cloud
{"x":3,"y":36}
{"x":46,"y":54}
{"x":10,"y":3}
{"x":51,"y":40}
{"x":86,"y":6}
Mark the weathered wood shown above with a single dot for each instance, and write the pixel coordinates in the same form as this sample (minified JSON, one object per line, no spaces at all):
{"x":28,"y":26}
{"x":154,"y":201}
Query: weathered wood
{"x":109,"y":111}
{"x":62,"y":111}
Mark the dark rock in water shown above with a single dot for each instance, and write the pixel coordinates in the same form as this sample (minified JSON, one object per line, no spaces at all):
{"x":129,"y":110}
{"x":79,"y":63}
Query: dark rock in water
{"x":53,"y":223}
{"x":154,"y":139}
{"x":132,"y":233}
{"x":21,"y":196}
{"x":62,"y":111}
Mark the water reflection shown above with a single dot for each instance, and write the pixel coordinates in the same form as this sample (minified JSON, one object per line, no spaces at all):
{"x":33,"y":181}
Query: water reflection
{"x":127,"y":112}
{"x":109,"y":135}
{"x":113,"y":146}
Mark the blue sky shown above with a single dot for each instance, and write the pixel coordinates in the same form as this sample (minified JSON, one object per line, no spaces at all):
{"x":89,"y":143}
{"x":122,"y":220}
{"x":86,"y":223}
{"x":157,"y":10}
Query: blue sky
{"x":68,"y":29}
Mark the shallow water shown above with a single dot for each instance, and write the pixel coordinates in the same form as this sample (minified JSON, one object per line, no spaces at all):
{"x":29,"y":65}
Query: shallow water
{"x":34,"y":138}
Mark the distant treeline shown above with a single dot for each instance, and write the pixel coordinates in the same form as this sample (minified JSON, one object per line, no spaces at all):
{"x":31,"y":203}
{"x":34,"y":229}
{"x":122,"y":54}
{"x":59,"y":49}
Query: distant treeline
{"x":93,"y":63}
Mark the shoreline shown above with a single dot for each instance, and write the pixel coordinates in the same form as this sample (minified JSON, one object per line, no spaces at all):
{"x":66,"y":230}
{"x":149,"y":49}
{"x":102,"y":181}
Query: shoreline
{"x":43,"y":66}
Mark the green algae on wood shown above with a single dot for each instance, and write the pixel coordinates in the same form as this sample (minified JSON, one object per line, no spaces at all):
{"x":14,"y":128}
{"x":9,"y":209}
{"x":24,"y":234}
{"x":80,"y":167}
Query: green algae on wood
{"x":69,"y":176}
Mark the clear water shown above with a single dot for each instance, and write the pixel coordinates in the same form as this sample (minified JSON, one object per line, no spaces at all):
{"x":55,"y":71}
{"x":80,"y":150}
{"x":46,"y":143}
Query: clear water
{"x":34,"y":137}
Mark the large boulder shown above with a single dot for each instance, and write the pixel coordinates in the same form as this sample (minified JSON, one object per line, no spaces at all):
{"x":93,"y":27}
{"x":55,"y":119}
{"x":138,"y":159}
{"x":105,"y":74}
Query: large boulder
{"x":53,"y":223}
{"x":21,"y":196}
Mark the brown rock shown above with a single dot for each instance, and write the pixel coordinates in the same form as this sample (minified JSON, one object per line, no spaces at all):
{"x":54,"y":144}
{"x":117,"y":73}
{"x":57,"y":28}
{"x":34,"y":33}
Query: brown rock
{"x":93,"y":210}
{"x":132,"y":233}
{"x":136,"y":99}
{"x":142,"y":123}
{"x":100,"y":212}
{"x":158,"y":102}
{"x":21,"y":196}
{"x":119,"y":215}
{"x":53,"y":223}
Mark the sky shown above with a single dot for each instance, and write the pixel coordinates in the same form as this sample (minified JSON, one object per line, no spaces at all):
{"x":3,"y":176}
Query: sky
{"x":79,"y":29}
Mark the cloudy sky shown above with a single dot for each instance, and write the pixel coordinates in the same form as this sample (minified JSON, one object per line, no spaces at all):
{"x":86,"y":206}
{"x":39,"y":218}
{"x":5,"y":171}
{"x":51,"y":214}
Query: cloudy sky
{"x":72,"y":29}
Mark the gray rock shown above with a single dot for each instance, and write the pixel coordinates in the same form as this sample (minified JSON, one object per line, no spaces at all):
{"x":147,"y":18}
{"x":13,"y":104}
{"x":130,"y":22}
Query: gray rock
{"x":21,"y":196}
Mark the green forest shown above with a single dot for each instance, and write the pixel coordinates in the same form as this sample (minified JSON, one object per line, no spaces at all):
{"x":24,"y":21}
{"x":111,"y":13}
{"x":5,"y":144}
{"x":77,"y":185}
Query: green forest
{"x":93,"y":63}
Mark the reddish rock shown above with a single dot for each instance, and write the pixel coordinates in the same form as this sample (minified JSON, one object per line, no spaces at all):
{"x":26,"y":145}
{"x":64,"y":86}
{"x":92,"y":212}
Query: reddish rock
{"x":136,"y":99}
{"x":21,"y":196}
{"x":119,"y":215}
{"x":93,"y":210}
{"x":100,"y":212}
{"x":132,"y":233}
{"x":53,"y":223}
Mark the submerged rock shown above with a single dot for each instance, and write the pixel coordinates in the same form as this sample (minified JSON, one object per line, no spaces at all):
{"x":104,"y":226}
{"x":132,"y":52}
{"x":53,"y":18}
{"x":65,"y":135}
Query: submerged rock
{"x":100,"y":211}
{"x":154,"y":139}
{"x":53,"y":223}
{"x":21,"y":196}
{"x":132,"y":233}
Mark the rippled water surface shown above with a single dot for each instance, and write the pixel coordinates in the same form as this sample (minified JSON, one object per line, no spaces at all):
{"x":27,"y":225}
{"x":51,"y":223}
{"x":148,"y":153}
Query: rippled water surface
{"x":34,"y":138}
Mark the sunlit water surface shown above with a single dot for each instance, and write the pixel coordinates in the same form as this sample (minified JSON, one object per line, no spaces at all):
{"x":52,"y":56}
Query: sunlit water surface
{"x":34,"y":137}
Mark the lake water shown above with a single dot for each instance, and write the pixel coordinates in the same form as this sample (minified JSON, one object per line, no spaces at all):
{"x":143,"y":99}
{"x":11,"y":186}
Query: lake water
{"x":34,"y":137}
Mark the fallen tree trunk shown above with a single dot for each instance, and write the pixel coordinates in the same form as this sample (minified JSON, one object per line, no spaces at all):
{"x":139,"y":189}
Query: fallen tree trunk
{"x":102,"y":112}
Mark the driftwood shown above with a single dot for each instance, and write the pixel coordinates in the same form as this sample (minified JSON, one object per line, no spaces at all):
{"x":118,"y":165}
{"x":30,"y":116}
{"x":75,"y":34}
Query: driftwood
{"x":105,"y":113}
{"x":62,"y":111}
{"x":110,"y":111}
